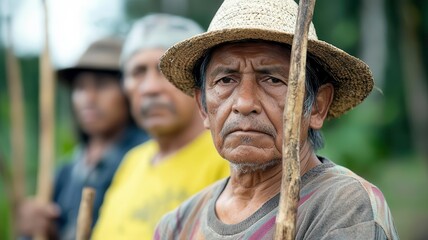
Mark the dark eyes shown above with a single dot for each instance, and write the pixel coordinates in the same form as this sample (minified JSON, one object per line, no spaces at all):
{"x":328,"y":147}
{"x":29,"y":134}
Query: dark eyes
{"x":225,"y":80}
{"x":275,"y":81}
{"x":270,"y":80}
{"x":139,"y":71}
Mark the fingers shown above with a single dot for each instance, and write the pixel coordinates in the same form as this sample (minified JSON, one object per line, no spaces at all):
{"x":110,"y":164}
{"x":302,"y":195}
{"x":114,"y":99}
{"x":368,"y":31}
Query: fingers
{"x":35,"y":217}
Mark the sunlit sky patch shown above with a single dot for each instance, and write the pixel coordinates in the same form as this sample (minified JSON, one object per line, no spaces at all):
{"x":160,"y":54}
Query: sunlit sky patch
{"x":73,"y":25}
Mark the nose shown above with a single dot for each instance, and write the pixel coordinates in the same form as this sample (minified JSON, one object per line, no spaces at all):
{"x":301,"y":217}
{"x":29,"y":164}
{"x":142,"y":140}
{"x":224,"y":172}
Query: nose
{"x":247,"y":101}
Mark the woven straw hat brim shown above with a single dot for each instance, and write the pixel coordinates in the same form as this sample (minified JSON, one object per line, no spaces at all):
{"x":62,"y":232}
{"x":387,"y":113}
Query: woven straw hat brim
{"x":353,"y":80}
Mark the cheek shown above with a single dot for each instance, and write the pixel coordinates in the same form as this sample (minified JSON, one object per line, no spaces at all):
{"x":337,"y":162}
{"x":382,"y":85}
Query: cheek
{"x":129,"y":85}
{"x":77,"y":100}
{"x":113,"y":102}
{"x":274,"y":110}
{"x":218,"y":111}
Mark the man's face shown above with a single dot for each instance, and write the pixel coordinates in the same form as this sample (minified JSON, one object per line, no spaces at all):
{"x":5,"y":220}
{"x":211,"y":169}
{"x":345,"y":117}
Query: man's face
{"x":98,"y":102}
{"x":246,"y":86}
{"x":157,"y":106}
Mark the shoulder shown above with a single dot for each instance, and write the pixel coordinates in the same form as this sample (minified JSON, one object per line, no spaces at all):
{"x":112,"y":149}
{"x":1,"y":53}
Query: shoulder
{"x":372,"y":198}
{"x":188,"y":214}
{"x":347,"y":200}
{"x":141,"y":148}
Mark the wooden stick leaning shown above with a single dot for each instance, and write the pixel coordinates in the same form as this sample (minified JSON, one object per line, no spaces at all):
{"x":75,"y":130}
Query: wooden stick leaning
{"x":17,"y":121}
{"x":290,"y":185}
{"x":84,"y":219}
{"x":47,"y":121}
{"x":17,"y":132}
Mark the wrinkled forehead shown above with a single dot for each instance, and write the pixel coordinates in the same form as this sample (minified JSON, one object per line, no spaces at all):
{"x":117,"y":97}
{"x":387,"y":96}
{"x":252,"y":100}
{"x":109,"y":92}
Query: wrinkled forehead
{"x":243,"y":48}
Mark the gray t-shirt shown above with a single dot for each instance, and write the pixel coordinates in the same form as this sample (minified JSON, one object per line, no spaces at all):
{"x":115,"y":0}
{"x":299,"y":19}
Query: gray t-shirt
{"x":334,"y":203}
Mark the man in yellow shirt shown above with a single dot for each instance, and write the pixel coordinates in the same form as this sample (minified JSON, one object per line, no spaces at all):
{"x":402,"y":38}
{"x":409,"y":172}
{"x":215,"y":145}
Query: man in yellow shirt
{"x":157,"y":176}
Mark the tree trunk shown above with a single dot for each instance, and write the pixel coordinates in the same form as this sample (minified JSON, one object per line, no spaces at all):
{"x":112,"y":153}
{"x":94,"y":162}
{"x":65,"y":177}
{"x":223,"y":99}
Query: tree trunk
{"x":416,"y":89}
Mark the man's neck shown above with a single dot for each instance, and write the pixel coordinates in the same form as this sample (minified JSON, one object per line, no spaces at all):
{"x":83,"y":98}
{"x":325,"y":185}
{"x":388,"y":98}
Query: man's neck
{"x":171,"y":143}
{"x":98,"y":144}
{"x":248,"y":191}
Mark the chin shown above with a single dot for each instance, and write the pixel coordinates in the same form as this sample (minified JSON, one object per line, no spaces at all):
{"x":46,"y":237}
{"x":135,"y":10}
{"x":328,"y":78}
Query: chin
{"x":248,"y":167}
{"x":250,"y":154}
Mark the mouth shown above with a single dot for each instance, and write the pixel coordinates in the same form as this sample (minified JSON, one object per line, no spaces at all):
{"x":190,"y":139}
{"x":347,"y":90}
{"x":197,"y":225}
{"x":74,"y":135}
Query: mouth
{"x":89,"y":114}
{"x":248,"y":127}
{"x":155,"y":109}
{"x":248,"y":132}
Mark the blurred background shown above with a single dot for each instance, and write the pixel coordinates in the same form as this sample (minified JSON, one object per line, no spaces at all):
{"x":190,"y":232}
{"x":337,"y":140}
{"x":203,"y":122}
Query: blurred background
{"x":384,"y":139}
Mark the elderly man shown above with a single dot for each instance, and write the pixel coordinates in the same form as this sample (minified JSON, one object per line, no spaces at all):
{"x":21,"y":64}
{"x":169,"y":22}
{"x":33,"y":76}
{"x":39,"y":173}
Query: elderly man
{"x":238,"y":72}
{"x":180,"y":160}
{"x":106,"y":131}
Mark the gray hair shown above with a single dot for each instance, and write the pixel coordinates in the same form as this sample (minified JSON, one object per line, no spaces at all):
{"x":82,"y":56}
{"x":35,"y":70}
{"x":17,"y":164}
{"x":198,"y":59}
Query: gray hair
{"x":315,"y":78}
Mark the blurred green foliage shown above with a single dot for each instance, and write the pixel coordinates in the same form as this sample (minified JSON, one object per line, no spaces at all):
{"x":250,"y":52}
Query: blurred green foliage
{"x":376,"y":139}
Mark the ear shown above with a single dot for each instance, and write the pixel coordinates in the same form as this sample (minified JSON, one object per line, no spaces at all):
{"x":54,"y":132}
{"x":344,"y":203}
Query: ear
{"x":321,"y":106}
{"x":202,"y":111}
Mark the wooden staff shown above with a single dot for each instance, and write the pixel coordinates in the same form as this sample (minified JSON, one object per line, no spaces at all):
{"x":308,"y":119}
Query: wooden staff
{"x":290,"y":185}
{"x":17,"y":122}
{"x":17,"y":181}
{"x":47,"y":120}
{"x":84,"y":219}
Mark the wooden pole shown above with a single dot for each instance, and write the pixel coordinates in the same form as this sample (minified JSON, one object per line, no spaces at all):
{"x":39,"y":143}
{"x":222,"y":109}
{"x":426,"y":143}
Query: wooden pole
{"x":17,"y":122}
{"x":47,"y":120}
{"x":290,"y":185}
{"x":84,"y":219}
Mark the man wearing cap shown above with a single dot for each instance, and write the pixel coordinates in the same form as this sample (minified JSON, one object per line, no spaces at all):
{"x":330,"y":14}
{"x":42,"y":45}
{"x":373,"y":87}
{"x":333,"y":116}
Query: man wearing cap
{"x":106,"y":131}
{"x":180,"y":160}
{"x":238,"y":72}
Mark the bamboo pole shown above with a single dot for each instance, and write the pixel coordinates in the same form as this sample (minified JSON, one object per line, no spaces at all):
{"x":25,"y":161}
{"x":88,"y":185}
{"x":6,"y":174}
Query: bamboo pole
{"x":17,"y":121}
{"x":17,"y":133}
{"x":290,"y":185}
{"x":47,"y":120}
{"x":84,"y":219}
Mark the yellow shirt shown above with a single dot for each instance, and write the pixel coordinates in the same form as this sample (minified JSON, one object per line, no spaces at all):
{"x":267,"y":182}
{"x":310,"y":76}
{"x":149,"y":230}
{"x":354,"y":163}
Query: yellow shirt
{"x":141,"y":194}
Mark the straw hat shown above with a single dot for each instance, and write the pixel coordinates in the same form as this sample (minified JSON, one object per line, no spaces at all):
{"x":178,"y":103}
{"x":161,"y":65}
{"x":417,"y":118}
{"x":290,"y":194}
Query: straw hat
{"x":101,"y":55}
{"x":271,"y":20}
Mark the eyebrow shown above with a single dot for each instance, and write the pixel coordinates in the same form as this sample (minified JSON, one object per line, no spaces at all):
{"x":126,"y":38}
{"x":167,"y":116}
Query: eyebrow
{"x":272,"y":69}
{"x":262,"y":70}
{"x":221,"y":69}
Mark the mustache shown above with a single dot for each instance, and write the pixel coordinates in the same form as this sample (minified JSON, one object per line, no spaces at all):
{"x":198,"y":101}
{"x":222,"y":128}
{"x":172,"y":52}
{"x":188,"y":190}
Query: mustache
{"x":150,"y":105}
{"x":253,"y":123}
